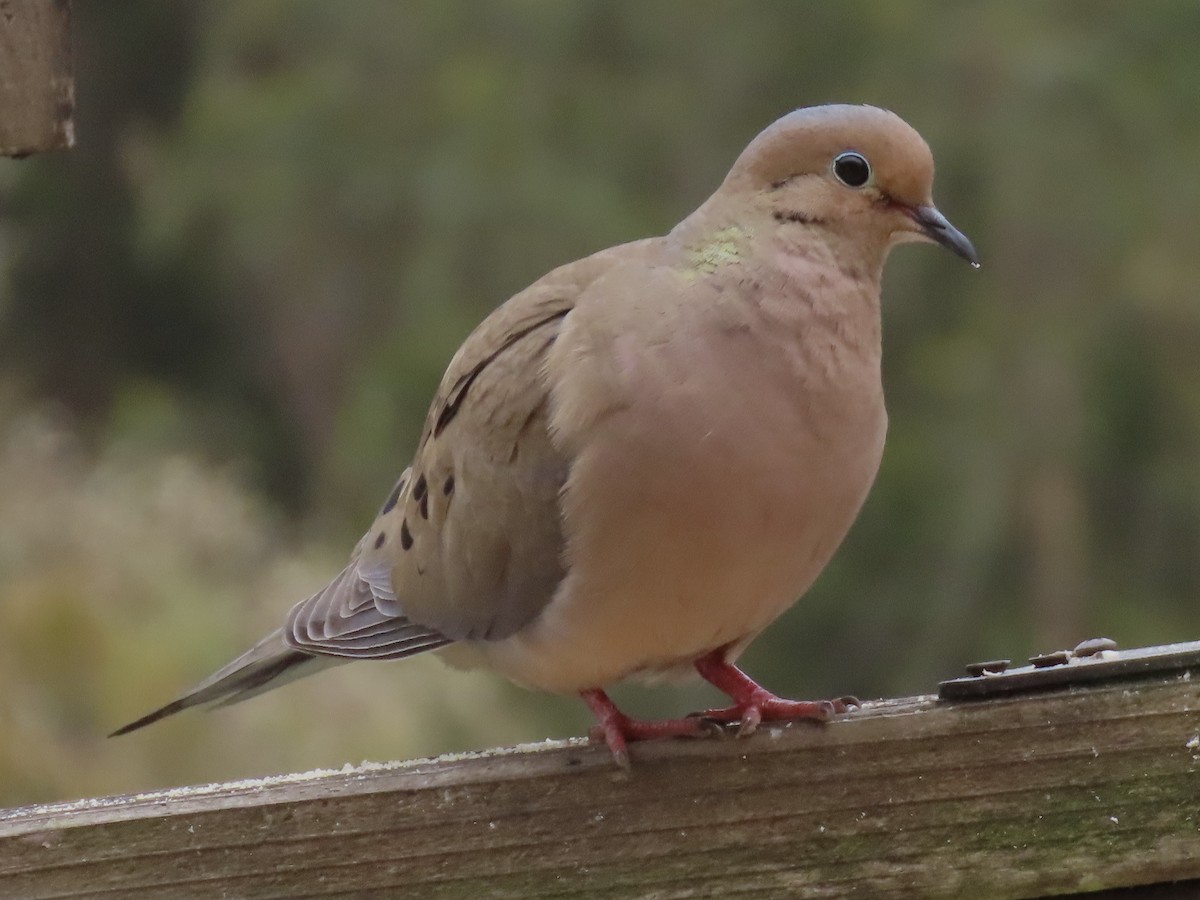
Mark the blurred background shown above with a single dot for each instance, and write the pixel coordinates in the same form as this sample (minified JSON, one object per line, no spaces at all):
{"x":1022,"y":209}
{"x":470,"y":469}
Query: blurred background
{"x":223,"y":314}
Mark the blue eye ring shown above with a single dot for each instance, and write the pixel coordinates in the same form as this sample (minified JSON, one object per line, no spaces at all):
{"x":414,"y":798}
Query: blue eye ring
{"x":851,"y":169}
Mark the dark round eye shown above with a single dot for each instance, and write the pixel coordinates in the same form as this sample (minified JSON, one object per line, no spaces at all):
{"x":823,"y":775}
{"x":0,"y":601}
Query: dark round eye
{"x":852,"y":169}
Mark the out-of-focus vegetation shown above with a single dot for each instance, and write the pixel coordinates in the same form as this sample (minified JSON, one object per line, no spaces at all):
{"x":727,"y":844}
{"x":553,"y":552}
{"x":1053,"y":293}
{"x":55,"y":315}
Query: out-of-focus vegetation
{"x":223,"y":314}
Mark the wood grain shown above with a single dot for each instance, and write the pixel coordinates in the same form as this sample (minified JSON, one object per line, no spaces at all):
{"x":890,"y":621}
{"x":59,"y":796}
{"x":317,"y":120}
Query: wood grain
{"x":1049,"y":794}
{"x":37,"y":92}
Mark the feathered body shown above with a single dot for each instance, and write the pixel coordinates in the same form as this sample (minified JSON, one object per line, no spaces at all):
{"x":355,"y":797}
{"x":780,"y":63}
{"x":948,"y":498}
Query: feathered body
{"x":648,"y":455}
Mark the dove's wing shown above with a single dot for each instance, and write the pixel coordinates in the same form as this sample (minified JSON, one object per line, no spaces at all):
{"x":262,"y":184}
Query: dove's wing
{"x":469,"y":544}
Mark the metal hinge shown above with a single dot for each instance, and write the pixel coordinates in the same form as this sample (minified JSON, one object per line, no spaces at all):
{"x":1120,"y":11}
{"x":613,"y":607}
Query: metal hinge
{"x":1097,"y":659}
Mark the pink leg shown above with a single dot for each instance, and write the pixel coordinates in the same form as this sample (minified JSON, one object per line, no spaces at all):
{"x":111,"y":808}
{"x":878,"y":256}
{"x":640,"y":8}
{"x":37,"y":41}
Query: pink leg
{"x":616,"y":729}
{"x":752,"y":703}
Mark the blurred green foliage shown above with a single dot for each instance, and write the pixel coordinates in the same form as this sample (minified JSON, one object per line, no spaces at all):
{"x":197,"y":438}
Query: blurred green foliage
{"x":223,"y":314}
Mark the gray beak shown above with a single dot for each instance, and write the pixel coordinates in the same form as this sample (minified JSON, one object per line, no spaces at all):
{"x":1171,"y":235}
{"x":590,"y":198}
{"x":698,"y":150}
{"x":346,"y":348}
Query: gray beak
{"x":937,"y":228}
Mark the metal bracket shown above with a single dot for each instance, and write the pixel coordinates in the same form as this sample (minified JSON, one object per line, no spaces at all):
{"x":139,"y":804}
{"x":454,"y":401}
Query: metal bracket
{"x":1094,"y":660}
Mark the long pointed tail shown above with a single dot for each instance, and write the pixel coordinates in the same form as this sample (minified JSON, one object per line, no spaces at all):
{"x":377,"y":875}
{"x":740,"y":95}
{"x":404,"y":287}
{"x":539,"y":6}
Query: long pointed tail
{"x":269,"y":664}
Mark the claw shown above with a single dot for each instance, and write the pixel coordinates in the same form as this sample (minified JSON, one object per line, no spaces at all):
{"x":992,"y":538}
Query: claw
{"x":712,"y":728}
{"x":751,"y":719}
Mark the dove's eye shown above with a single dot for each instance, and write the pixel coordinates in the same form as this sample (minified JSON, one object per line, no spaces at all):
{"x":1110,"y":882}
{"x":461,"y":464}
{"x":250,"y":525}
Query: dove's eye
{"x":852,"y":169}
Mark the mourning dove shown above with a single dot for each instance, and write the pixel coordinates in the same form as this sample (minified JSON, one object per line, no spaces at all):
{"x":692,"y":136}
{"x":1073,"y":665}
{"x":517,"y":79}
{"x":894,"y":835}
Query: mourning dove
{"x":636,"y":464}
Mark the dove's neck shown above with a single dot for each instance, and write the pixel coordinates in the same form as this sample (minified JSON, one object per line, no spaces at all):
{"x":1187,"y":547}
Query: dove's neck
{"x":801,"y":279}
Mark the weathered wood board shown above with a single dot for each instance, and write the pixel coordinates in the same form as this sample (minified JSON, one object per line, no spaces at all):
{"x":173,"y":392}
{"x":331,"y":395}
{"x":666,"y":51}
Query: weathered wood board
{"x":1053,"y":793}
{"x":37,"y":91}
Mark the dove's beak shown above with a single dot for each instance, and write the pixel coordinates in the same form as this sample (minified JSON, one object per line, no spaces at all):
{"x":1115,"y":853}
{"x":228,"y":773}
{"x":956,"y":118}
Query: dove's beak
{"x":937,"y":228}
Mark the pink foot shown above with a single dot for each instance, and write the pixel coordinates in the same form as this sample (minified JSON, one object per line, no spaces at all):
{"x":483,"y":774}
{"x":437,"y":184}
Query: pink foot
{"x":616,"y":729}
{"x":754,"y":704}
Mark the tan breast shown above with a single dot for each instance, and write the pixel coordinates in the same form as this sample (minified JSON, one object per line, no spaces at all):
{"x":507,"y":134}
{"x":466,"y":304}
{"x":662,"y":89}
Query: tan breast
{"x":706,"y":495}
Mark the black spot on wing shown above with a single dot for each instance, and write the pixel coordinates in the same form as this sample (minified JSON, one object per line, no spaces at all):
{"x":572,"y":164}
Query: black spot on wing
{"x":393,"y":498}
{"x":524,"y":429}
{"x":458,"y":393}
{"x":421,"y":493}
{"x":406,"y":539}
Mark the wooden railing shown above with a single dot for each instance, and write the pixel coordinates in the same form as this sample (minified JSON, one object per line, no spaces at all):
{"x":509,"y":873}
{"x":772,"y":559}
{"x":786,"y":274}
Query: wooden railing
{"x":1060,"y":792}
{"x":37,"y":90}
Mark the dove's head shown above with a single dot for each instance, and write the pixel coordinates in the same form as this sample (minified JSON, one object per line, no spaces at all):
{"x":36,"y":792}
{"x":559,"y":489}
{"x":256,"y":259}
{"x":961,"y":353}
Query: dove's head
{"x":857,"y":172}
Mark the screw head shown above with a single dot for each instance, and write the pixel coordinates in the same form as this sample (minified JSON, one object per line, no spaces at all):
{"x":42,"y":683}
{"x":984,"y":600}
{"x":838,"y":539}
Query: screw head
{"x":1093,"y":646}
{"x":1046,"y":660}
{"x":992,"y":666}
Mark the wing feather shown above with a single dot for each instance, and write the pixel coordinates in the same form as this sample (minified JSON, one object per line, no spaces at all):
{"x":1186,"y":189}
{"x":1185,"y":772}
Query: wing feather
{"x":468,"y":545}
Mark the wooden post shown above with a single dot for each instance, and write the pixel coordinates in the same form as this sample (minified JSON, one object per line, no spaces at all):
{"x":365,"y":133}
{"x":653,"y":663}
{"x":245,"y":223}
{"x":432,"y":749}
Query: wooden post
{"x":37,"y":93}
{"x":1050,"y":793}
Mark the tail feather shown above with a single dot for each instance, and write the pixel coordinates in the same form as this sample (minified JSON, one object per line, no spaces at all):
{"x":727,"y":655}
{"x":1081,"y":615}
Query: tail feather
{"x":268,"y":665}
